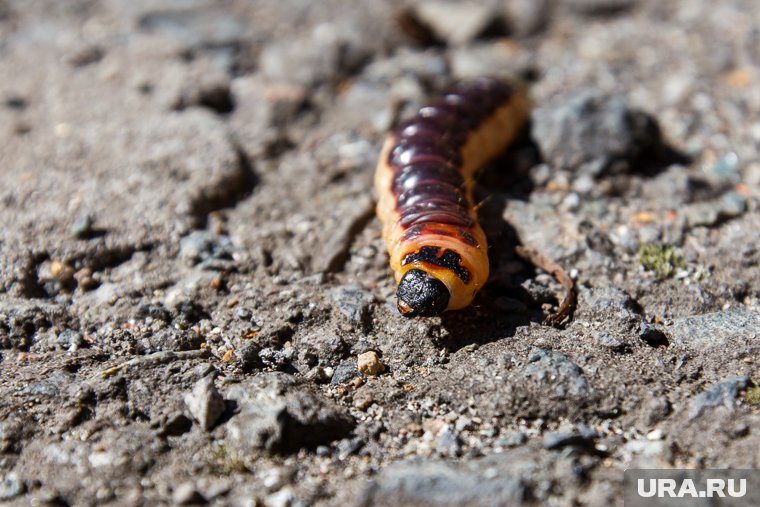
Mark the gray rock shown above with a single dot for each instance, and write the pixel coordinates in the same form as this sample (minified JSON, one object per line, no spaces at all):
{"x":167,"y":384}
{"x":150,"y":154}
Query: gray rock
{"x":717,"y":330}
{"x":656,"y":410}
{"x":200,"y":246}
{"x":538,"y":224}
{"x":608,"y":340}
{"x":69,"y":339}
{"x":82,"y":227}
{"x":195,"y":28}
{"x":559,"y":439}
{"x":11,"y":486}
{"x":527,"y":17}
{"x":279,"y":414}
{"x":455,"y":22}
{"x":352,"y":301}
{"x":594,"y":134}
{"x":488,"y":59}
{"x":187,"y":494}
{"x":345,"y":372}
{"x":715,"y":211}
{"x":447,"y":442}
{"x":308,"y":60}
{"x":554,"y":369}
{"x":721,"y":394}
{"x":205,"y":403}
{"x":507,"y":478}
{"x":512,"y":440}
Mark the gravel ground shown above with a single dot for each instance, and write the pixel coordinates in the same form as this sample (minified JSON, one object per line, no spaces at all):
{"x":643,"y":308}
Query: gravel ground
{"x":195,"y":301}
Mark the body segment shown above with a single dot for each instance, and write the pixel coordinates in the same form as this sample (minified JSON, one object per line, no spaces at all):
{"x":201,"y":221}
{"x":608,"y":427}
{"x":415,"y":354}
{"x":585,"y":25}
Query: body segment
{"x":424,"y":180}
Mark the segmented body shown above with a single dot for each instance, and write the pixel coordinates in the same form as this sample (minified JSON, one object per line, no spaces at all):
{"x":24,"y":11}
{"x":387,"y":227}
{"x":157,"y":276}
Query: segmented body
{"x":424,"y":180}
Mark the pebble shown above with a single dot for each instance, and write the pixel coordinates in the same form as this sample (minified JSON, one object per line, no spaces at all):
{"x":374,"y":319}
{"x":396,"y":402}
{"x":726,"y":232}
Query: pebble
{"x":608,"y":340}
{"x":656,"y":410}
{"x":11,"y":486}
{"x":281,"y":498}
{"x":512,"y":440}
{"x":279,"y":414}
{"x":713,"y":212}
{"x":528,"y":17}
{"x":195,"y":28}
{"x":187,"y":494}
{"x":352,"y":301}
{"x":506,"y":478}
{"x":717,"y":330}
{"x":308,"y":60}
{"x":594,"y":134}
{"x":723,"y":393}
{"x":70,"y":340}
{"x":205,"y":403}
{"x":345,"y":372}
{"x":455,"y":22}
{"x":447,"y":442}
{"x":555,"y":368}
{"x":204,"y":246}
{"x":369,"y":363}
{"x":82,"y":227}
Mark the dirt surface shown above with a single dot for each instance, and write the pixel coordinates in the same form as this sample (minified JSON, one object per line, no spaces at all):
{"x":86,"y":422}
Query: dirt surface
{"x":195,"y":301}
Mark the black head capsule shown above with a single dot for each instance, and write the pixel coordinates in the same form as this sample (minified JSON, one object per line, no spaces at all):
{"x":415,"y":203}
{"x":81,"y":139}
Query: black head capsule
{"x":421,"y":294}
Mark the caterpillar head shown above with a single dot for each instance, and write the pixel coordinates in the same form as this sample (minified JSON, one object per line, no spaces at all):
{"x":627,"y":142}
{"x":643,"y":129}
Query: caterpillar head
{"x":420,"y":294}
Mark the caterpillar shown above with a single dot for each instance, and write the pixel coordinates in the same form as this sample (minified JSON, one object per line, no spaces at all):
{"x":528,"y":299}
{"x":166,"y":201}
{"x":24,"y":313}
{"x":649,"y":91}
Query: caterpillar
{"x":424,"y":181}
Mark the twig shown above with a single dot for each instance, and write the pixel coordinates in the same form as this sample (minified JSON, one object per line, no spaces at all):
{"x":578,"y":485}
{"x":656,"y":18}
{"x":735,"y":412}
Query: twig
{"x":541,"y":261}
{"x":161,"y":357}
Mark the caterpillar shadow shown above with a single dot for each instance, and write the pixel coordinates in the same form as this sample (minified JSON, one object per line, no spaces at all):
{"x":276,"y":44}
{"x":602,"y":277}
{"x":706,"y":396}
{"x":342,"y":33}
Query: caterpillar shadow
{"x":502,"y":305}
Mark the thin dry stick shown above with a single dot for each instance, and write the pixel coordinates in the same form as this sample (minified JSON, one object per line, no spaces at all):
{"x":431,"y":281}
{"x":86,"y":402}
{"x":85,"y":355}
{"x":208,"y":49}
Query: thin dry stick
{"x":541,"y":261}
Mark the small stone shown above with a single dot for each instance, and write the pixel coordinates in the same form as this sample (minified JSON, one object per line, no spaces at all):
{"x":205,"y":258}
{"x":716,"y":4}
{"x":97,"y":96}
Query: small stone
{"x":717,"y":330}
{"x":721,"y":394}
{"x":512,"y":440}
{"x":608,"y":341}
{"x":82,"y":227}
{"x":656,"y":410}
{"x":205,"y":403}
{"x":550,"y":366}
{"x":363,"y":400}
{"x":187,"y":494}
{"x":595,"y":134}
{"x":447,"y":442}
{"x":69,"y":339}
{"x":352,"y":301}
{"x":282,"y":498}
{"x":713,"y":212}
{"x":345,"y":372}
{"x":369,"y":363}
{"x":11,"y":486}
{"x":278,"y":413}
{"x":201,"y":246}
{"x":527,"y":17}
{"x":176,"y":424}
{"x":455,"y":22}
{"x":195,"y":28}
